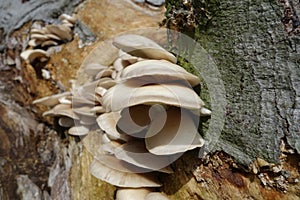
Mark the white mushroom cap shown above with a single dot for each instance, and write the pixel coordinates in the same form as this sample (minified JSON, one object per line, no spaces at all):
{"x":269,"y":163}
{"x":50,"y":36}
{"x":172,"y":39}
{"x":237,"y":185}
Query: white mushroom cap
{"x":51,"y":100}
{"x":135,"y":152}
{"x":132,"y":93}
{"x":31,"y":54}
{"x":67,"y":17}
{"x":106,"y":82}
{"x":159,"y":71}
{"x":61,"y":110}
{"x":132,"y":194}
{"x":79,"y":130}
{"x":107,"y":122}
{"x":140,"y":46}
{"x":63,"y":32}
{"x":122,"y":174}
{"x":179,"y":134}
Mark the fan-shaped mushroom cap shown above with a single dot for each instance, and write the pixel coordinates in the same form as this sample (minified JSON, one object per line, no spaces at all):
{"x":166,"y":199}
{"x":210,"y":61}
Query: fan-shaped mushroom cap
{"x":159,"y":71}
{"x":38,"y":36}
{"x":63,"y":32}
{"x":79,"y":130}
{"x":135,"y":153}
{"x":132,"y":93}
{"x":107,"y":122}
{"x":120,"y":173}
{"x":52,"y":36}
{"x":98,"y":109}
{"x":69,"y":18}
{"x":132,"y":194}
{"x":104,"y":73}
{"x":106,"y":82}
{"x":31,"y":54}
{"x":51,"y":100}
{"x":179,"y":134}
{"x":84,"y":111}
{"x":61,"y":110}
{"x":140,"y":46}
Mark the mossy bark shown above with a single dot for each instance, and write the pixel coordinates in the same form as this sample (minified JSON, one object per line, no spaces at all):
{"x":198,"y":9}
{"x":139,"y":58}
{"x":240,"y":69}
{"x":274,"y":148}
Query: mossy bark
{"x":259,"y":66}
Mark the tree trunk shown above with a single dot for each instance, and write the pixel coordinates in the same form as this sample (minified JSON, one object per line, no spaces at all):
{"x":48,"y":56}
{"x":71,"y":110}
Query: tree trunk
{"x":248,"y":59}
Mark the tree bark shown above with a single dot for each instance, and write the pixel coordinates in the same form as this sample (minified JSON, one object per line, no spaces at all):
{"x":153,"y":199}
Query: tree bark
{"x":257,"y":62}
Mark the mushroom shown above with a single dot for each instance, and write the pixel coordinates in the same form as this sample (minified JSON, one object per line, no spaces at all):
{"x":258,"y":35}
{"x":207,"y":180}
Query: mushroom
{"x":134,"y":93}
{"x":135,"y":107}
{"x":135,"y":152}
{"x":107,"y":122}
{"x":79,"y":130}
{"x":31,"y":55}
{"x":140,"y":46}
{"x":63,"y":32}
{"x":159,"y":71}
{"x":121,"y":174}
{"x":62,"y":110}
{"x":179,"y":134}
{"x":51,"y":100}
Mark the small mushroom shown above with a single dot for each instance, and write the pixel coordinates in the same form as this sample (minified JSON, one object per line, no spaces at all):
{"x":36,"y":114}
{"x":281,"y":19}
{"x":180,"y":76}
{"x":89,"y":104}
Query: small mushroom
{"x":49,"y":43}
{"x":140,"y":46}
{"x":79,"y":130}
{"x":63,"y":32}
{"x":106,"y":82}
{"x":68,"y":18}
{"x":51,"y":100}
{"x":158,"y":71}
{"x":61,"y":110}
{"x":31,"y":55}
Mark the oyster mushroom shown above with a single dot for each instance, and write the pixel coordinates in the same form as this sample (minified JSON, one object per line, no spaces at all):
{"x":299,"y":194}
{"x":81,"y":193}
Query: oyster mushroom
{"x":51,"y":100}
{"x":134,"y":93}
{"x":121,"y":174}
{"x":136,"y":109}
{"x":31,"y":55}
{"x":143,"y":47}
{"x":179,"y":134}
{"x":158,"y":71}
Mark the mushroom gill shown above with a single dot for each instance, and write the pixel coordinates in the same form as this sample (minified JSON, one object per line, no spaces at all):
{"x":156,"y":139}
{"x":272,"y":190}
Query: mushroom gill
{"x":137,"y":109}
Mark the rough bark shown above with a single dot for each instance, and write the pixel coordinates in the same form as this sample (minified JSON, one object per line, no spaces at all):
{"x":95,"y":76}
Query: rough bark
{"x":258,"y":63}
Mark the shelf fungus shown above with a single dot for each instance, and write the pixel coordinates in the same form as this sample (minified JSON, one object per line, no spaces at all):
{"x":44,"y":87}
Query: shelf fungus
{"x":137,"y":111}
{"x":41,"y":38}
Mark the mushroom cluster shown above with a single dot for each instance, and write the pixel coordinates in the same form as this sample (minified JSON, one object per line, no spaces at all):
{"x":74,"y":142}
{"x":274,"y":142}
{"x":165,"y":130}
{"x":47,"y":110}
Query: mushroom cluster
{"x":137,"y":111}
{"x":50,"y":35}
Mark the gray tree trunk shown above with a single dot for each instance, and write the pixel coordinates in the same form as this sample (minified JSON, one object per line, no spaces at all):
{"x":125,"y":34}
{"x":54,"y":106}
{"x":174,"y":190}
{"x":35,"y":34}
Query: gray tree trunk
{"x":258,"y":63}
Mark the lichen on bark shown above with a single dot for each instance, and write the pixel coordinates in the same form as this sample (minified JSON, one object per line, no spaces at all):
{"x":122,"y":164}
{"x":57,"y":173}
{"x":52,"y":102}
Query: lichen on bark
{"x":258,"y":66}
